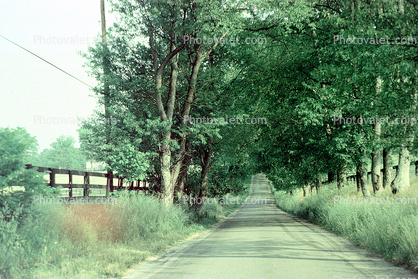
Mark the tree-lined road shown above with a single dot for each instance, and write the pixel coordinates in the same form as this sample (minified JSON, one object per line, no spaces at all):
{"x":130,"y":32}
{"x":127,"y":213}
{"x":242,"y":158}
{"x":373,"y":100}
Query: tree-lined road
{"x":262,"y":241}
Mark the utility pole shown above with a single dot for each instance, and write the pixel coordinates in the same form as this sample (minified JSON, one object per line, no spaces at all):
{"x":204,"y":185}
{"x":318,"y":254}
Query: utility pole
{"x":103,"y":20}
{"x":106,"y":93}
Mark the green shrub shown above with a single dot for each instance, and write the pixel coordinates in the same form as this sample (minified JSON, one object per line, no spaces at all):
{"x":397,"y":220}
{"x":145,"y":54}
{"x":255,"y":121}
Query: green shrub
{"x":16,"y":146}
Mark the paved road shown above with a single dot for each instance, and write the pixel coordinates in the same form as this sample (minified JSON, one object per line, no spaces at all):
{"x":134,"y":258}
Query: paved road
{"x":262,"y":241}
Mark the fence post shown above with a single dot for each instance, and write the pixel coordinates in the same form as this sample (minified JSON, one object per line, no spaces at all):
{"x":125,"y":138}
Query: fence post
{"x":86,"y":184}
{"x":70,"y":181}
{"x":109,"y":182}
{"x":52,"y":177}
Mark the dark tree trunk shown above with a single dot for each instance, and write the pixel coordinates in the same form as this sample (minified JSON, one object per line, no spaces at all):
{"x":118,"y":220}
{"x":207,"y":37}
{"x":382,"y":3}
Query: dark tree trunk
{"x":206,"y":164}
{"x":331,"y":177}
{"x":183,"y":172}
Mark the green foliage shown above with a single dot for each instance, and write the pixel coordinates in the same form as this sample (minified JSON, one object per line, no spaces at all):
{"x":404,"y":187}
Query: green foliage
{"x":128,"y":162}
{"x":11,"y":248}
{"x":228,"y":178}
{"x":139,"y":42}
{"x":18,"y":185}
{"x":62,"y":155}
{"x":302,"y":78}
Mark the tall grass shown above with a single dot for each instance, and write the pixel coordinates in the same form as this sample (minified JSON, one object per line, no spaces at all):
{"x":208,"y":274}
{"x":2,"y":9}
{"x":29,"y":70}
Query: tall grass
{"x":388,"y":229}
{"x":95,"y":240}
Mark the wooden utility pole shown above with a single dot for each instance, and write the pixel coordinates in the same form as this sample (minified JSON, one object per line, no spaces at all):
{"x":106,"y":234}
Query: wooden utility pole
{"x":106,"y":92}
{"x":103,"y":20}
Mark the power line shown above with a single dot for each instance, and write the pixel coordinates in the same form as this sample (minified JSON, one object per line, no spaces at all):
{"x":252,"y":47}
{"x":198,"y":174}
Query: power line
{"x":46,"y":61}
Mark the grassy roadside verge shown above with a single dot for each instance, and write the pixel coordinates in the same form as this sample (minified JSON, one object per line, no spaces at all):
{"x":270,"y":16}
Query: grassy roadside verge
{"x":378,"y":223}
{"x":97,"y":240}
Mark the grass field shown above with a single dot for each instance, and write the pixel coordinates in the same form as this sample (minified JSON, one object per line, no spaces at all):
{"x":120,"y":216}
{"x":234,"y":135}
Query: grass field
{"x":96,"y":240}
{"x":384,"y":223}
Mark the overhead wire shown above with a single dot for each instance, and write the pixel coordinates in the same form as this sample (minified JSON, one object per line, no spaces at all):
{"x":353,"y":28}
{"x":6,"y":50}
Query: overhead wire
{"x":65,"y":72}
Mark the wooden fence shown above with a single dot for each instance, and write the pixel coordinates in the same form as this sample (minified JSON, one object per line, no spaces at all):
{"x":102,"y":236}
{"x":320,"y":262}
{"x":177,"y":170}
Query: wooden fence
{"x":86,"y":185}
{"x":110,"y":187}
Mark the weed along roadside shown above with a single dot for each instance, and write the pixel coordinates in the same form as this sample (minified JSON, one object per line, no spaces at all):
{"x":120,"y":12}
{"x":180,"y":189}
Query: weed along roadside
{"x":75,"y":238}
{"x":385,"y":224}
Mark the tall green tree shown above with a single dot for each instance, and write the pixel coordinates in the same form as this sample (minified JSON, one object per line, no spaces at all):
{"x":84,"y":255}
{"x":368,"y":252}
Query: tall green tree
{"x":62,"y":155}
{"x":17,"y":146}
{"x":155,"y":59}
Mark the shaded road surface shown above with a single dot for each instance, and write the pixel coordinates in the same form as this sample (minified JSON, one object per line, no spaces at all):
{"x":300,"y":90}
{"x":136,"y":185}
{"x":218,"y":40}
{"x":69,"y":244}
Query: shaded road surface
{"x":262,"y":241}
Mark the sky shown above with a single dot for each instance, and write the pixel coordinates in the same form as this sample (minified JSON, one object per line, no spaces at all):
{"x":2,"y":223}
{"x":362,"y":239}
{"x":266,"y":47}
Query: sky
{"x":34,"y":94}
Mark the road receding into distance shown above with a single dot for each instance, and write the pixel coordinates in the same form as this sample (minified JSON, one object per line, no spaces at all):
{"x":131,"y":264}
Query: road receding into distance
{"x":261,"y":241}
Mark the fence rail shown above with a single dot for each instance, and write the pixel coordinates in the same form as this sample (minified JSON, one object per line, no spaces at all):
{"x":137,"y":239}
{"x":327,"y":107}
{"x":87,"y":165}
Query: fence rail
{"x":87,"y":186}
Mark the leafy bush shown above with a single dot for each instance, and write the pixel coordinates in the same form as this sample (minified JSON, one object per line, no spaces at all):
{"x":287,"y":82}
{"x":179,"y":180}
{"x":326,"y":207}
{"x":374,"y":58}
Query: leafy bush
{"x":18,"y":185}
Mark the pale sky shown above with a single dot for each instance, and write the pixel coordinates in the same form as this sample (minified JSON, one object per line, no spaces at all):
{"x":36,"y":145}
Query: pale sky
{"x":32,"y":92}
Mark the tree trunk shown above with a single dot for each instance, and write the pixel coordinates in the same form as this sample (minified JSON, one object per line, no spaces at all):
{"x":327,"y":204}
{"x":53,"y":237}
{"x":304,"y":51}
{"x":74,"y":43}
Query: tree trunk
{"x":183,"y":173}
{"x":169,"y":174}
{"x":387,"y":168}
{"x":358,"y":178}
{"x":318,"y":184}
{"x":206,"y":164}
{"x":331,"y":177}
{"x":362,"y":169}
{"x":341,"y":177}
{"x":375,"y":172}
{"x":401,"y":181}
